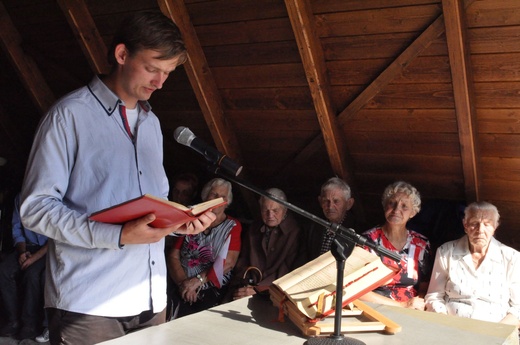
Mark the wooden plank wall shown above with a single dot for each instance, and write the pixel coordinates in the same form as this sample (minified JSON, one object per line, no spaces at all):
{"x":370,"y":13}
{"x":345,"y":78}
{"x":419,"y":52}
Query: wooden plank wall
{"x":408,"y":131}
{"x":404,"y":126}
{"x":496,"y":50}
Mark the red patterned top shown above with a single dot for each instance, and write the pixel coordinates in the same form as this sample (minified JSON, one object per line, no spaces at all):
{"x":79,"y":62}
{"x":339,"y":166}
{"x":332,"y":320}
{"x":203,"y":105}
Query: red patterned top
{"x":415,"y":263}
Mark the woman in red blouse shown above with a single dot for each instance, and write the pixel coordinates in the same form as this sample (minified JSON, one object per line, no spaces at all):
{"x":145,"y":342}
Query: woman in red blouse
{"x":401,"y":201}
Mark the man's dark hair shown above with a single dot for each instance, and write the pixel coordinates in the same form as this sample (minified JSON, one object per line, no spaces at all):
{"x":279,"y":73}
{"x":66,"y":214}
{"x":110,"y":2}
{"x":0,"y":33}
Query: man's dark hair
{"x":149,"y":30}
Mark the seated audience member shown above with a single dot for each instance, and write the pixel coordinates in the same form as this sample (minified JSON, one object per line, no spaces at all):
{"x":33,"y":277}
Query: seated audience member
{"x":335,"y":201}
{"x":476,"y":276}
{"x":201,"y":265}
{"x":401,"y":201}
{"x":22,"y":275}
{"x":184,"y":189}
{"x":271,"y":245}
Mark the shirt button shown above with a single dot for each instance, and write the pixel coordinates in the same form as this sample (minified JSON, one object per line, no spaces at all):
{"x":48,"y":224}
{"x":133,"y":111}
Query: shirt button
{"x":140,"y":172}
{"x":153,"y":262}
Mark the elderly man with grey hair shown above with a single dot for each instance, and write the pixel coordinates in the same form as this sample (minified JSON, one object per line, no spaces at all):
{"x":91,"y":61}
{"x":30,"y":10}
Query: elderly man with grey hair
{"x":476,"y":276}
{"x":335,"y":200}
{"x":272,"y":245}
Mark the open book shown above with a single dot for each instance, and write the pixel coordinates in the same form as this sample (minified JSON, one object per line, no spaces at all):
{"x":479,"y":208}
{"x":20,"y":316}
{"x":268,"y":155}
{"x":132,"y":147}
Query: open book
{"x":167,"y":213}
{"x":312,"y":287}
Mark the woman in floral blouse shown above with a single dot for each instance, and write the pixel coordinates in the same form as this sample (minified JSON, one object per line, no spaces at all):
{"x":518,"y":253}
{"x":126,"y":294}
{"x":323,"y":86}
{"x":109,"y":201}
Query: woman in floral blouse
{"x":201,"y":265}
{"x":401,"y":201}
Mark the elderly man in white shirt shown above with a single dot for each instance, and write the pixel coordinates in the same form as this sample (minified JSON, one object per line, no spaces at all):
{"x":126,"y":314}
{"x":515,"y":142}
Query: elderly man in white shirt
{"x":476,"y":276}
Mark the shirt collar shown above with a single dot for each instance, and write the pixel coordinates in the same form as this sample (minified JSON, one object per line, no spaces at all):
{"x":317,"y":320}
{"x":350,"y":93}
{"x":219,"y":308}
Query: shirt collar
{"x":109,"y":100}
{"x":284,"y":226}
{"x":493,"y":253}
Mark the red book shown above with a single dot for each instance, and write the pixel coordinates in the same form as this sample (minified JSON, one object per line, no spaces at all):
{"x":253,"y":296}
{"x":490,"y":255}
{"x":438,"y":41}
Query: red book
{"x":167,"y":213}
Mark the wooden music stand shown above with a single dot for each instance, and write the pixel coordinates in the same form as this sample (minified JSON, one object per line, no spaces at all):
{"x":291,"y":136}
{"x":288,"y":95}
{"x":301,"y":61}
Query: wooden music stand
{"x":356,"y":317}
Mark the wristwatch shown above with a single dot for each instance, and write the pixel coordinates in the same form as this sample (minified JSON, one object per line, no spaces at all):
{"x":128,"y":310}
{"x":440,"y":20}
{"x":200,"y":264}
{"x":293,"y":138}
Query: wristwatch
{"x":199,"y":277}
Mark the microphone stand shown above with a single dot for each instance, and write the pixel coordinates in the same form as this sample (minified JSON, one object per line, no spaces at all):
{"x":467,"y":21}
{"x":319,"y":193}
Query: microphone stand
{"x":340,"y":253}
{"x":342,"y":247}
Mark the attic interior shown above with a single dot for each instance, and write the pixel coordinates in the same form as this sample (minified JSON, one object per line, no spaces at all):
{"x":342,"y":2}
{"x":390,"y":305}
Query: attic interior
{"x":425,"y":91}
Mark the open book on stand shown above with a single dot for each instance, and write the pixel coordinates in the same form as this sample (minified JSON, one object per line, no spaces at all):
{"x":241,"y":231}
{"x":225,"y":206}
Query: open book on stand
{"x":311,"y":288}
{"x":167,"y":213}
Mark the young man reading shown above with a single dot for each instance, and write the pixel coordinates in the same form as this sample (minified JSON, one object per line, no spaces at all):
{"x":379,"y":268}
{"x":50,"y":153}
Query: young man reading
{"x":96,"y":147}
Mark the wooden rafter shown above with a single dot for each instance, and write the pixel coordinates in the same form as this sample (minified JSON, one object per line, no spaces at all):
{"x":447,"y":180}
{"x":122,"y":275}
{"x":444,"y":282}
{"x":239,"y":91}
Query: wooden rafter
{"x":205,"y":88}
{"x":87,"y":35}
{"x":25,"y":66}
{"x":311,"y":52}
{"x":394,"y":70}
{"x":462,"y":80}
{"x":202,"y":80}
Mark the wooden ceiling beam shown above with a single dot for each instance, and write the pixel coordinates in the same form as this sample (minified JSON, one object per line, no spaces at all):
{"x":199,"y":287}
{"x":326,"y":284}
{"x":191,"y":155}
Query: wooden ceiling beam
{"x":30,"y":75}
{"x":79,"y":19}
{"x":394,"y":70}
{"x":463,"y":90}
{"x":202,"y":80}
{"x":311,"y":52}
{"x":205,"y":88}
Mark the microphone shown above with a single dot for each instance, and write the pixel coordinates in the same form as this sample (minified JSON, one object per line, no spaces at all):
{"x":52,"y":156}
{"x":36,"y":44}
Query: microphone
{"x":184,"y":136}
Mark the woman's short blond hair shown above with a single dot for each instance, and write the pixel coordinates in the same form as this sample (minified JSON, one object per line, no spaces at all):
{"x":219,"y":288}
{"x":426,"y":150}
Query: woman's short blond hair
{"x":406,"y":188}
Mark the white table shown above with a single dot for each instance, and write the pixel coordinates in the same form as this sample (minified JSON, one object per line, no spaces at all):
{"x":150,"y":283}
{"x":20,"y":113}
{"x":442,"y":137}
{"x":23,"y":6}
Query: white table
{"x":254,"y":321}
